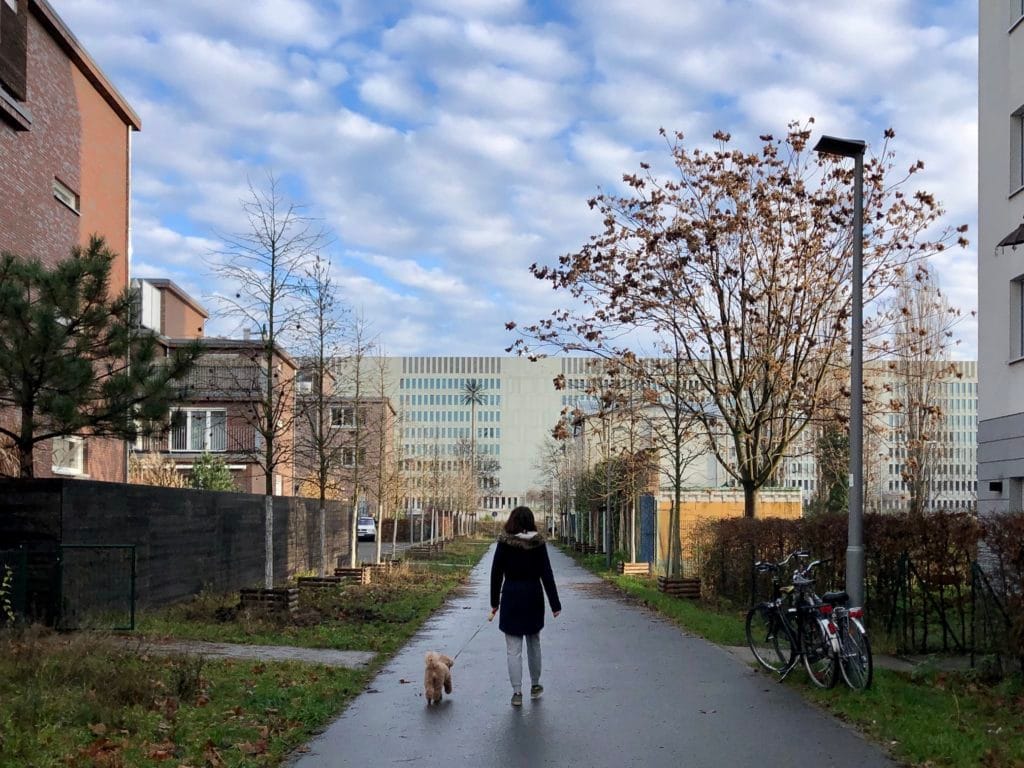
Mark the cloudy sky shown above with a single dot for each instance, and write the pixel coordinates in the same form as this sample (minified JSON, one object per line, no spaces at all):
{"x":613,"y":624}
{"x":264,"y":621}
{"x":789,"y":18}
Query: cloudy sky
{"x":448,"y":144}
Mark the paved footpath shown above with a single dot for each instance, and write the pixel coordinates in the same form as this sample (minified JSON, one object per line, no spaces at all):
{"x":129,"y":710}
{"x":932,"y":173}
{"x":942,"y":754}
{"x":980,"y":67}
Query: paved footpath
{"x":622,"y":688}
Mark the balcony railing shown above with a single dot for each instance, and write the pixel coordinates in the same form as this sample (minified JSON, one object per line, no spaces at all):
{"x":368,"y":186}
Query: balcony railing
{"x":240,"y":381}
{"x":235,"y":439}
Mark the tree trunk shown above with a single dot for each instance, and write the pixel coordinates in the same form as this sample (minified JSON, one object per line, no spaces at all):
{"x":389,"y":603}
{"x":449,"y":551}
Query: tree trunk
{"x":268,"y":536}
{"x":632,"y":529}
{"x":26,"y":448}
{"x":322,"y":512}
{"x":380,"y":531}
{"x":749,"y":499}
{"x":353,"y":547}
{"x":394,"y":535}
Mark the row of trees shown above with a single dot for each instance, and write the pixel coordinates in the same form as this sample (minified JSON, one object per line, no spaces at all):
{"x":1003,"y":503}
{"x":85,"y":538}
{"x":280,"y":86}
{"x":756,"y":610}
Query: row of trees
{"x":285,"y":291}
{"x":721,"y":288}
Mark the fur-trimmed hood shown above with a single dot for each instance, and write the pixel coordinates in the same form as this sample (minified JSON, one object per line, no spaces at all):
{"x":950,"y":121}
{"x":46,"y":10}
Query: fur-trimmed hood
{"x":529,"y":540}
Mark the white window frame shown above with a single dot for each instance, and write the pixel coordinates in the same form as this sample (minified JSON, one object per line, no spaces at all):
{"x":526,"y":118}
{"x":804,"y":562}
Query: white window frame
{"x":208,"y":443}
{"x":348,"y":416}
{"x":350,"y":455}
{"x":75,"y":467}
{"x":64,"y":194}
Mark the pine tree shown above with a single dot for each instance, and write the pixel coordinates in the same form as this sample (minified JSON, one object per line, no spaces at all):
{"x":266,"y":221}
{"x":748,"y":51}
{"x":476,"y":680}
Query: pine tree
{"x":72,"y":361}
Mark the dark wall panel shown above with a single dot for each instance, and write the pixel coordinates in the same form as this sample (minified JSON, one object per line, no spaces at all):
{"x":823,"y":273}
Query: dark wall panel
{"x":185,"y":540}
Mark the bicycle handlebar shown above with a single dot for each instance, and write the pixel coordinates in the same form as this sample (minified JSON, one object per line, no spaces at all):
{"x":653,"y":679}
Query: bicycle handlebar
{"x":763,"y":566}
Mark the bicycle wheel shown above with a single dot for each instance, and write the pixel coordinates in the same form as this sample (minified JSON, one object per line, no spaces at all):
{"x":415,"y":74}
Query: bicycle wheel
{"x":855,"y":660}
{"x":818,"y":656}
{"x":768,"y":638}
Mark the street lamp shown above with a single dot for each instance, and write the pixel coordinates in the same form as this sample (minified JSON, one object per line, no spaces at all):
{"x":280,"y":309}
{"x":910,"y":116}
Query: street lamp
{"x":831,"y":145}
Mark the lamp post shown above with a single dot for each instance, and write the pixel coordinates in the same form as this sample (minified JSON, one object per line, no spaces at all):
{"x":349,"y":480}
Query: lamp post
{"x":831,"y":145}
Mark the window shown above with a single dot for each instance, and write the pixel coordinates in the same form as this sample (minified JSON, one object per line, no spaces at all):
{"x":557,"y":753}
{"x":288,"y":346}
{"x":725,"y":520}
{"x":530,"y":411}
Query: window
{"x":343,"y":416}
{"x":1017,"y":318}
{"x":68,"y":456}
{"x":349,"y":456}
{"x":14,"y":49}
{"x":63,"y":193}
{"x":198,"y":430}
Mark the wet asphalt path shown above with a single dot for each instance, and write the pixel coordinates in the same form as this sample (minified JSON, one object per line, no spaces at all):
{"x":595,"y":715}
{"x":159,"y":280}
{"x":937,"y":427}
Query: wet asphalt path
{"x":622,"y":688}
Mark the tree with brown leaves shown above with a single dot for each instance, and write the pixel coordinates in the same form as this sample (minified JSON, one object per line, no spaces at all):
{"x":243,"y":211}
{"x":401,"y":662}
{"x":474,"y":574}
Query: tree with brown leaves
{"x":741,"y":261}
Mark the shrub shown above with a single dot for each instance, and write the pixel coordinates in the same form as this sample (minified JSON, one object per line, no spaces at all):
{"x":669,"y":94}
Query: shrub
{"x":210,"y":473}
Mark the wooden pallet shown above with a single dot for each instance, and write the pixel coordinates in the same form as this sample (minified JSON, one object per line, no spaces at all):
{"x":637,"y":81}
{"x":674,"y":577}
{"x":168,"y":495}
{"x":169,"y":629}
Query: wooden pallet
{"x":424,"y":551}
{"x":635,"y":569}
{"x":283,"y":600}
{"x":679,"y":587}
{"x":320,"y":582}
{"x":354,"y":575}
{"x":376,"y":570}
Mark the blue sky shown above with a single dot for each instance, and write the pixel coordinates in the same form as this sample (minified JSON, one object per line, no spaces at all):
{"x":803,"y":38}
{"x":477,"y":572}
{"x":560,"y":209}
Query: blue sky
{"x":449,"y":144}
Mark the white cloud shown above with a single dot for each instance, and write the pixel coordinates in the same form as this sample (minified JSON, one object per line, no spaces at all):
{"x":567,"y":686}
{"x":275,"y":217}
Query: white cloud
{"x":451,"y":143}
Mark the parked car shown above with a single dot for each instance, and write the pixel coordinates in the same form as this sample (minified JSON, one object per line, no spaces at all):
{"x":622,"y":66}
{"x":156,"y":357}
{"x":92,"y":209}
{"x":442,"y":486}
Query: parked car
{"x":366,"y":529}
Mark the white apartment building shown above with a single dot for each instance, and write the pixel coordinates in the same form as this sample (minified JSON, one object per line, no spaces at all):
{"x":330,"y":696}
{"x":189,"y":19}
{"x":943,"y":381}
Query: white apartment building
{"x":951,"y":450}
{"x":521,"y":405}
{"x":1000,"y":256}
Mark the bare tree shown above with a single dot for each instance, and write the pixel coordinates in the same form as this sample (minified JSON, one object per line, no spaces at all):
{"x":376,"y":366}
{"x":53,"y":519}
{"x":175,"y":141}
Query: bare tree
{"x":384,"y":476}
{"x":740,"y":265}
{"x":396,"y":482}
{"x":922,"y":339}
{"x":676,"y":433}
{"x":266,"y":266}
{"x":319,"y":444}
{"x":353,"y":383}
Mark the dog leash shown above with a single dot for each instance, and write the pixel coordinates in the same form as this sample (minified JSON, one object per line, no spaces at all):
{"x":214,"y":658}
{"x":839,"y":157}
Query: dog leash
{"x":466,"y":644}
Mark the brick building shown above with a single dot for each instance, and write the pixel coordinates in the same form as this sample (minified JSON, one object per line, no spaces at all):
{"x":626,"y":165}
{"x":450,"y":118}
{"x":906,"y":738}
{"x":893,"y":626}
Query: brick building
{"x":224,"y":392}
{"x":358,"y":433}
{"x":65,"y":137}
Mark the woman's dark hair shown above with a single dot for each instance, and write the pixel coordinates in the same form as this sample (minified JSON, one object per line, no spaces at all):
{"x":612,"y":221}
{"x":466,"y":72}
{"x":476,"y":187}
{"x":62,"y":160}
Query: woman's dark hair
{"x":520,"y":520}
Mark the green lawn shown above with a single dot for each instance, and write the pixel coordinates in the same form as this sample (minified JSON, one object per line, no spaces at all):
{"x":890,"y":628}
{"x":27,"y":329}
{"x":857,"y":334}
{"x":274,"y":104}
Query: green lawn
{"x":928,"y":720}
{"x":375,"y":617}
{"x":81,"y":699}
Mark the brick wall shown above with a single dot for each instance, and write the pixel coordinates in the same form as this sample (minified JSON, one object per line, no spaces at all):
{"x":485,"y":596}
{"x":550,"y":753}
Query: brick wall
{"x":185,"y":539}
{"x":74,"y":137}
{"x":32,"y":222}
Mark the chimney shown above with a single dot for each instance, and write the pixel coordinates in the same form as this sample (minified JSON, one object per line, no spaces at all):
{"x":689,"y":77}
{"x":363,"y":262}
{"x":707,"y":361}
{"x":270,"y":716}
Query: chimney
{"x":246,"y":334}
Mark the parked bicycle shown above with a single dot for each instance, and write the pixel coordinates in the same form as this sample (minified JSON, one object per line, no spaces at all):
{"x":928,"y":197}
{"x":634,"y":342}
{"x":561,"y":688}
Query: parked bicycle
{"x":794,"y":625}
{"x":855,"y":660}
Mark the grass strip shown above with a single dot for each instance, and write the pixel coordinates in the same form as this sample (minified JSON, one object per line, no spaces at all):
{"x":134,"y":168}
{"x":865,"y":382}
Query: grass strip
{"x":379,"y":617}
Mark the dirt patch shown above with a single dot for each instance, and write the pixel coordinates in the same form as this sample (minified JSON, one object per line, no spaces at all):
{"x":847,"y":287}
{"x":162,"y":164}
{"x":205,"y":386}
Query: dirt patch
{"x":598,"y":589}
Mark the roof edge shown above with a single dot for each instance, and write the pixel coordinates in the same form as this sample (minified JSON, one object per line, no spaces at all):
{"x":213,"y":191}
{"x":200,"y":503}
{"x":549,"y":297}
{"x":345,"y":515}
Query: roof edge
{"x":76,"y":51}
{"x":163,"y":282}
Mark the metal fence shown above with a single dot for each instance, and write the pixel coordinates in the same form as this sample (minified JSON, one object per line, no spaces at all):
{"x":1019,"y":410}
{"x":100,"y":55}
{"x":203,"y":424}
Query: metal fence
{"x":991,"y":630}
{"x":13,"y":584}
{"x":97,"y":586}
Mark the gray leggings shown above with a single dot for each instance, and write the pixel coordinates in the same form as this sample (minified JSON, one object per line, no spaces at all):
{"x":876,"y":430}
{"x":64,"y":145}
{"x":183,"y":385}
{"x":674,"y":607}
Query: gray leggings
{"x":514,"y":646}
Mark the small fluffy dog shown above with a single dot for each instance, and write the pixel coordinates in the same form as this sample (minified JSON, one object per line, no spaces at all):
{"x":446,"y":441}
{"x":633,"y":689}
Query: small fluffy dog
{"x":437,"y":675}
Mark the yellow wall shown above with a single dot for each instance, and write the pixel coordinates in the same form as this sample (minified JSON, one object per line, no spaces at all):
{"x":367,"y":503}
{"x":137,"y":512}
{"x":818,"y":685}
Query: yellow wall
{"x":702,"y":505}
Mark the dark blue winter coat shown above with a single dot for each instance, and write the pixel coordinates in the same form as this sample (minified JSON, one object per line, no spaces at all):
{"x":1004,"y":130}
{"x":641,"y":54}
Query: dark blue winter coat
{"x":519,"y":570}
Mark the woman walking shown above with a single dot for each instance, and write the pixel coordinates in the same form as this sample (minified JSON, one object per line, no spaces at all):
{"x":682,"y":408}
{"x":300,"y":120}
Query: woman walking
{"x":519,"y":570}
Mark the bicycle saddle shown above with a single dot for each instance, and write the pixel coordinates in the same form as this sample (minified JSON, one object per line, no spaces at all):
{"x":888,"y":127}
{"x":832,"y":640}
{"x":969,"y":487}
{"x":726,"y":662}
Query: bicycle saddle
{"x":835,"y":598}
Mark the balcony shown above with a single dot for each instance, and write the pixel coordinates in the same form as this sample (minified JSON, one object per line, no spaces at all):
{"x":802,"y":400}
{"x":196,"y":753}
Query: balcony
{"x":236,"y":380}
{"x":234,"y":439}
